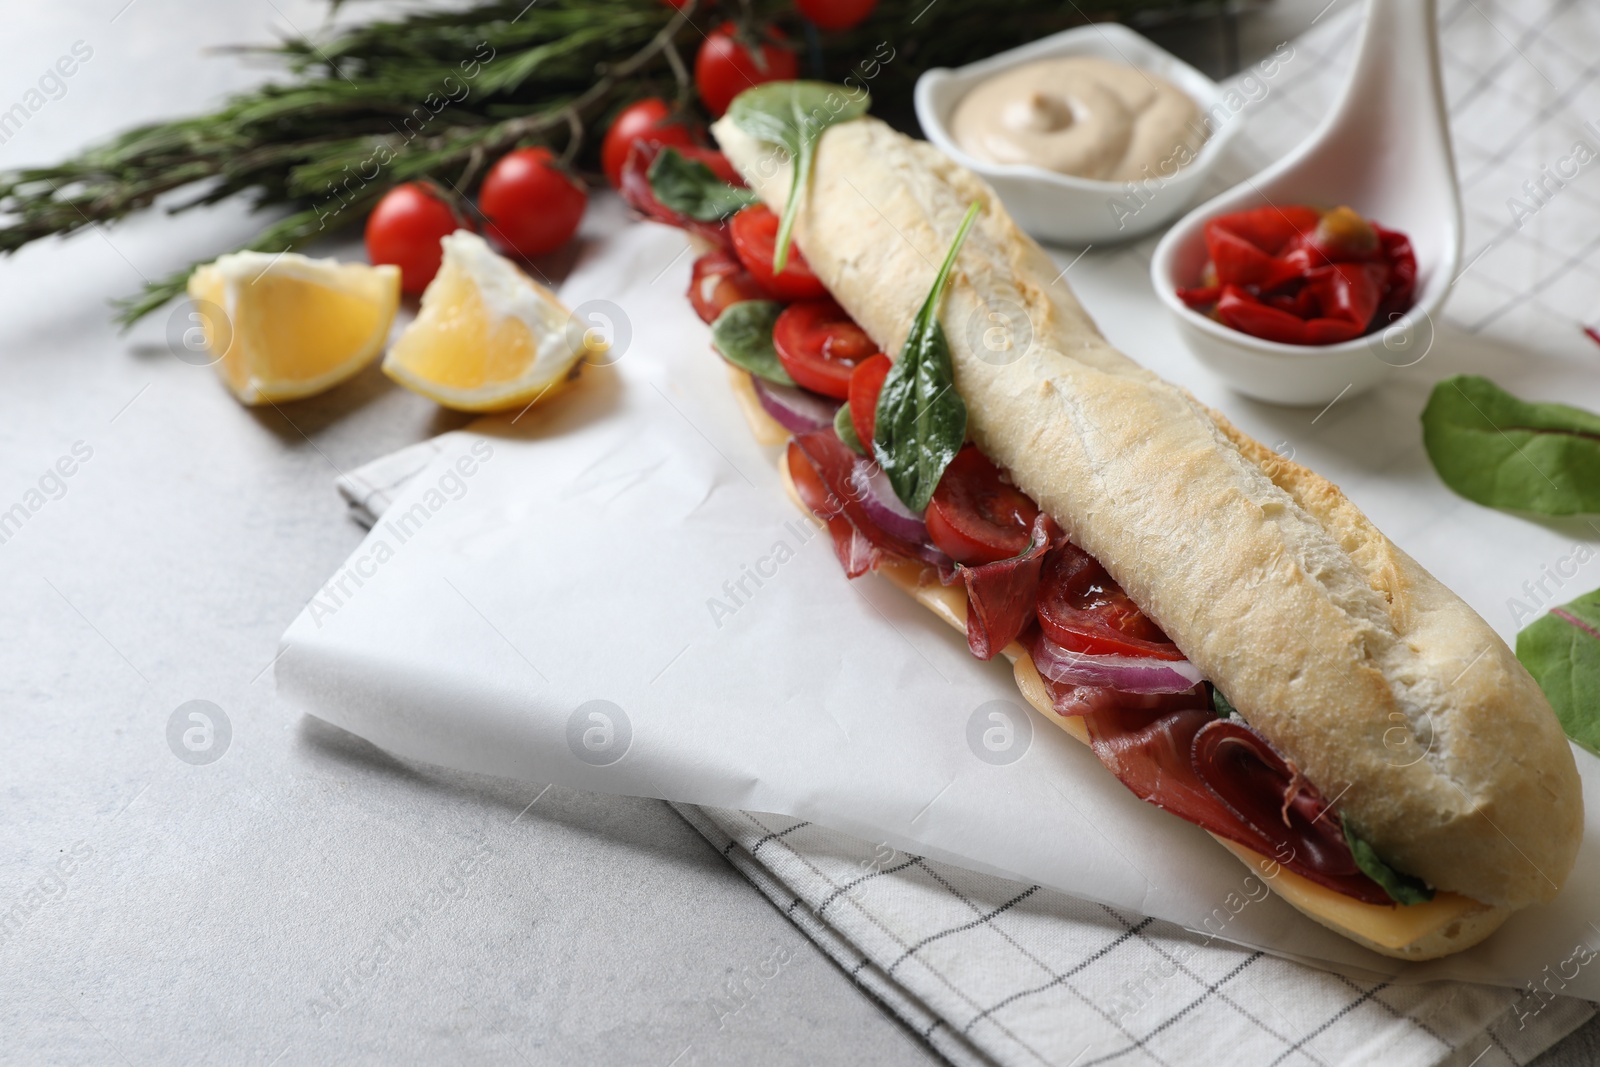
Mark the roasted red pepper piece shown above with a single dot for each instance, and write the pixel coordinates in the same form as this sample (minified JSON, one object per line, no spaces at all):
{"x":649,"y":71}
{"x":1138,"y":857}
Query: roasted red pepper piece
{"x":1200,"y":297}
{"x":1296,"y":277}
{"x":1247,"y":314}
{"x":1402,"y":288}
{"x":1243,"y":245}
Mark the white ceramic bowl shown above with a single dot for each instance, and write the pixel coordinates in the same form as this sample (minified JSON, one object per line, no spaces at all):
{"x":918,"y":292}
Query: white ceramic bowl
{"x":1059,"y":207}
{"x":1384,"y":150}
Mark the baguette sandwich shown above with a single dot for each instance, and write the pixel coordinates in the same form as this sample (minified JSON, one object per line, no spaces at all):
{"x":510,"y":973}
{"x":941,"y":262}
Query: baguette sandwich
{"x":1233,"y":638}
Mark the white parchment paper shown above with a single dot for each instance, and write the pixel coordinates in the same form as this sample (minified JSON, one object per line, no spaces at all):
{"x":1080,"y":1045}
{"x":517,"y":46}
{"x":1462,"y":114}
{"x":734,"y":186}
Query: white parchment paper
{"x":612,"y":592}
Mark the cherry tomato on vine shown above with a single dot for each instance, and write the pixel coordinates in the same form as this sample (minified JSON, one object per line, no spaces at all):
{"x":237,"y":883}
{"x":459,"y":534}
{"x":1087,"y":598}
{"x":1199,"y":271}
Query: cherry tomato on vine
{"x":533,"y":206}
{"x":642,"y":120}
{"x":835,"y":14}
{"x":726,"y":66}
{"x":404,"y":229}
{"x":755,"y":235}
{"x":719,"y":281}
{"x":1081,"y":608}
{"x":866,"y":382}
{"x":819,"y":344}
{"x":975,"y":516}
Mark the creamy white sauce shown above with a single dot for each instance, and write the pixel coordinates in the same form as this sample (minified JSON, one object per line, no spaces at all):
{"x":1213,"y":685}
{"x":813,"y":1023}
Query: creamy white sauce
{"x":1083,"y":116}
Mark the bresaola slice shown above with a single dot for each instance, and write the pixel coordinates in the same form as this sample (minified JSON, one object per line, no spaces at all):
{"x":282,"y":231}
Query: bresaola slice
{"x":833,"y":464}
{"x":635,"y":189}
{"x":1246,"y":772}
{"x":856,"y":554}
{"x":1224,"y":777}
{"x":1000,"y":595}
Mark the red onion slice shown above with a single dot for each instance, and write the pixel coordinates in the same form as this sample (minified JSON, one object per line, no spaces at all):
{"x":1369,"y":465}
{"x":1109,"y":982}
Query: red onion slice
{"x":1128,"y":674}
{"x":878,"y":497}
{"x":795,"y":409}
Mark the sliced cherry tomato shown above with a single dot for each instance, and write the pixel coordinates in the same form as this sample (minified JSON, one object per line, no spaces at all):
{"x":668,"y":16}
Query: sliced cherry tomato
{"x":975,"y":515}
{"x":405,"y":228}
{"x":728,"y":63}
{"x":819,"y":344}
{"x":835,"y":14}
{"x":533,"y":206}
{"x":755,"y":238}
{"x":646,"y":120}
{"x":1081,"y":608}
{"x":720,"y":280}
{"x":866,"y":382}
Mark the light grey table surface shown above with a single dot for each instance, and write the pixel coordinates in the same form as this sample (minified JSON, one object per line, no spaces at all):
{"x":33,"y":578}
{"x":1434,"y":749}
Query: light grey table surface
{"x":306,"y":898}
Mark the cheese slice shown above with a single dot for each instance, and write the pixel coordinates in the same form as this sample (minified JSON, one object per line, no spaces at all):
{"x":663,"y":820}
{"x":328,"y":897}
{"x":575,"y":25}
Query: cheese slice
{"x":1448,"y":923}
{"x":766,"y":429}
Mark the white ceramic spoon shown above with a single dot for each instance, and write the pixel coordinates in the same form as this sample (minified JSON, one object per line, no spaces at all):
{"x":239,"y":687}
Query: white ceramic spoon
{"x":1384,"y":151}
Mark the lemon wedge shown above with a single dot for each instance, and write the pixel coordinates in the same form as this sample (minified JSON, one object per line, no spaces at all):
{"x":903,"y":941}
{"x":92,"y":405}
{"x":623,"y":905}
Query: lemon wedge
{"x":488,"y":337}
{"x":280,"y":327}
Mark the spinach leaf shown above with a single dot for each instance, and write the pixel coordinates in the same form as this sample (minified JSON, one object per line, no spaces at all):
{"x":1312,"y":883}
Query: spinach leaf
{"x":922,"y":420}
{"x":1497,"y":450}
{"x":742,"y":335}
{"x":1223,"y":706}
{"x":793,"y":115}
{"x":1402,"y":888}
{"x":1562,"y":652}
{"x":846,"y":429}
{"x":688,"y":187}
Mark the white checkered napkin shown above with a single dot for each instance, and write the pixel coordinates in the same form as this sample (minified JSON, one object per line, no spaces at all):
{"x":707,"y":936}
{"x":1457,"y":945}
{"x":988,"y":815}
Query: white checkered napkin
{"x":993,"y":971}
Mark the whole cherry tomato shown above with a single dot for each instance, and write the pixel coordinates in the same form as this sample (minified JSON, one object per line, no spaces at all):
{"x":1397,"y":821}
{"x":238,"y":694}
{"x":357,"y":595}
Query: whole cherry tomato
{"x":533,"y":206}
{"x":726,"y":66}
{"x":975,"y":515}
{"x":835,"y":14}
{"x":404,"y":229}
{"x":755,"y":235}
{"x":642,"y":120}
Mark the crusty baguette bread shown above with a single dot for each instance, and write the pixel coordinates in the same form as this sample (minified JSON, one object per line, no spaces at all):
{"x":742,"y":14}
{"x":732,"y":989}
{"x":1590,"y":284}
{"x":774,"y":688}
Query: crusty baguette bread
{"x":1387,"y":691}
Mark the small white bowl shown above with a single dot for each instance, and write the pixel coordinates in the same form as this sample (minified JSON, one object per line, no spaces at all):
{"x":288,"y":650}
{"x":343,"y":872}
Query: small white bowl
{"x":1384,"y":150}
{"x":1060,"y":207}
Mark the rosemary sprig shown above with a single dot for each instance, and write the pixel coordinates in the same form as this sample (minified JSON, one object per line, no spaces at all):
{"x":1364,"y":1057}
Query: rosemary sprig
{"x":440,"y":94}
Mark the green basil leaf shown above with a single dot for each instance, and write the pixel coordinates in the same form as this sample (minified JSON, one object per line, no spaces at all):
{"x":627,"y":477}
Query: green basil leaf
{"x":1562,"y":652}
{"x":1223,"y":706}
{"x":793,"y":115}
{"x":1497,"y":450}
{"x":846,"y":429}
{"x":742,"y":335}
{"x":921,"y":419}
{"x":688,"y":187}
{"x":1402,"y":888}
